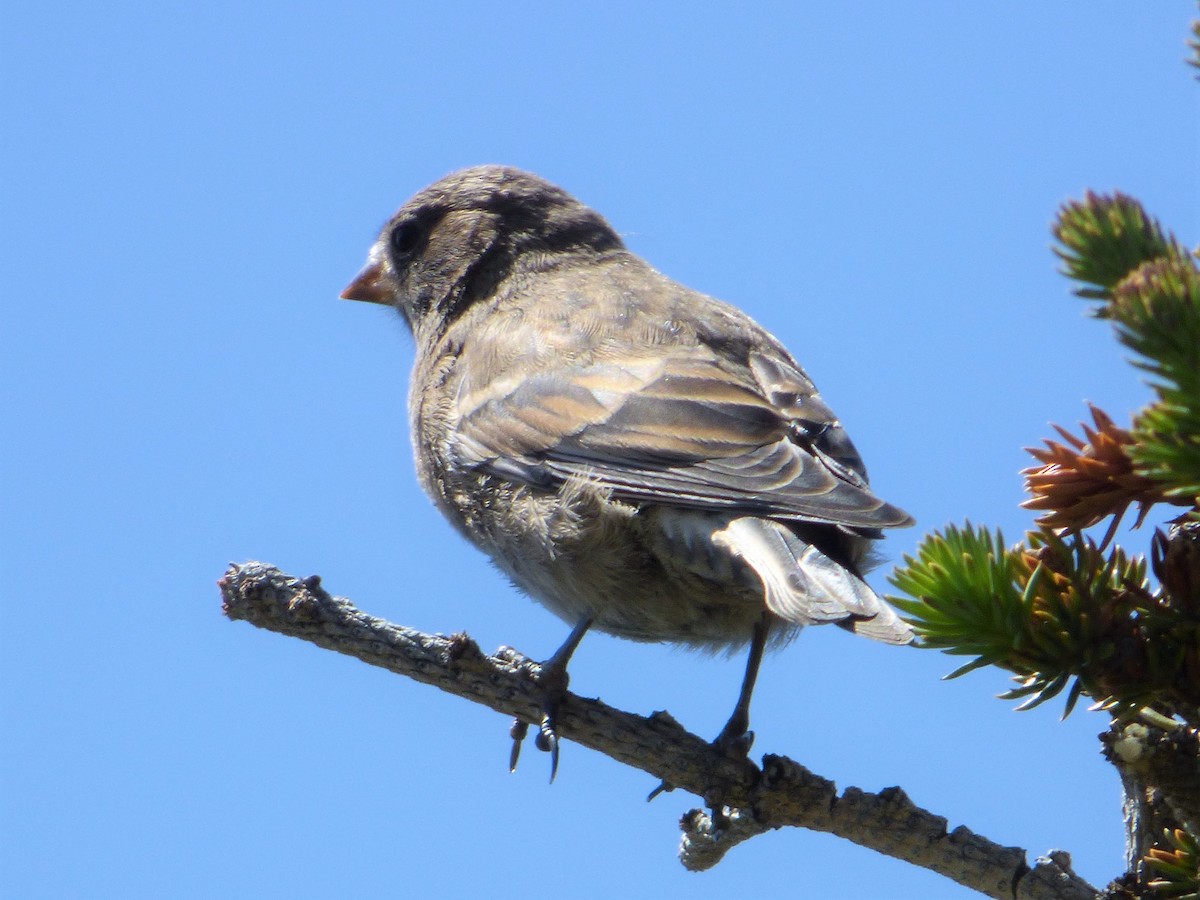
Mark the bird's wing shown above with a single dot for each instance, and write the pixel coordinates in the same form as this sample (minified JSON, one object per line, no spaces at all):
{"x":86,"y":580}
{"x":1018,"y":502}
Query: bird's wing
{"x":684,"y":428}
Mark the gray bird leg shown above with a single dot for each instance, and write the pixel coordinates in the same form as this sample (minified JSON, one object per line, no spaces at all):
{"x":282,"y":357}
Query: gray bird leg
{"x":736,"y":735}
{"x":553,"y":679}
{"x":737,"y":730}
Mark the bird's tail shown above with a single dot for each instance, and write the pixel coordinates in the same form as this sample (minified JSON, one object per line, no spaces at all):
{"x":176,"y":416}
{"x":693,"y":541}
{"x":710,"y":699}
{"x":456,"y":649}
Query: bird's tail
{"x":804,"y":585}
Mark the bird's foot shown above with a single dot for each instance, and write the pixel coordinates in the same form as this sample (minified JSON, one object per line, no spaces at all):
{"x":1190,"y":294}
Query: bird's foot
{"x":552,"y":680}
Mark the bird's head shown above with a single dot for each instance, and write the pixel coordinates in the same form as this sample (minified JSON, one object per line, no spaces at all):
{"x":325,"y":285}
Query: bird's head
{"x":455,"y":241}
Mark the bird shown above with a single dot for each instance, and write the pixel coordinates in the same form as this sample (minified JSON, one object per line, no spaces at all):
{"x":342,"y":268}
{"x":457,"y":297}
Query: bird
{"x":641,"y":459}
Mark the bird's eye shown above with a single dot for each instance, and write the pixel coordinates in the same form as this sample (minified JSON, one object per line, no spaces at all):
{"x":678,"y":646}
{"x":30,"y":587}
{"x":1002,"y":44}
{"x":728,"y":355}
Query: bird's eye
{"x":406,"y":237}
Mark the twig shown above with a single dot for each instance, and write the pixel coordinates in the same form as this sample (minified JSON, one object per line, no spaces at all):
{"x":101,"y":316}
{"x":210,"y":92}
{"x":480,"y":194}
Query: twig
{"x":746,"y":800}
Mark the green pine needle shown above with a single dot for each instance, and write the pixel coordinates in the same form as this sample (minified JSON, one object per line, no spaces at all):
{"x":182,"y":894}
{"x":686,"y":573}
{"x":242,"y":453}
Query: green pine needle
{"x":962,"y":594}
{"x":1104,"y":238}
{"x":1157,"y":315}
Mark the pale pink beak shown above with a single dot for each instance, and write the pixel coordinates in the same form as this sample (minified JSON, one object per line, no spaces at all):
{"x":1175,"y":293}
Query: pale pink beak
{"x":369,"y":285}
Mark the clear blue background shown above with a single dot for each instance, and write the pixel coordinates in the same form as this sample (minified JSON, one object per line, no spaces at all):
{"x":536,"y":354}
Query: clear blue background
{"x":186,"y":188}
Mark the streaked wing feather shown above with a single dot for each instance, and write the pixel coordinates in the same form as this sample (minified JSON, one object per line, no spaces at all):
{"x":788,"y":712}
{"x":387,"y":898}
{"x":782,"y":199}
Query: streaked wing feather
{"x":678,"y":430}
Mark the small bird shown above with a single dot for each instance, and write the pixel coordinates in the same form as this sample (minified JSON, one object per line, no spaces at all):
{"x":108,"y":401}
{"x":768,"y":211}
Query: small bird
{"x":639,"y":458}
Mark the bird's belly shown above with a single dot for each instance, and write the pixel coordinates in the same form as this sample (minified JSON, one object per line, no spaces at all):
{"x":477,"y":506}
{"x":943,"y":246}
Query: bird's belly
{"x":636,"y":600}
{"x":579,"y":553}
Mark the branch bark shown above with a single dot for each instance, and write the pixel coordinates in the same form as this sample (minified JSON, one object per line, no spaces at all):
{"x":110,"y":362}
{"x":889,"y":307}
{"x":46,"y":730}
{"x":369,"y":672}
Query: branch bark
{"x":1160,"y":775}
{"x":745,"y":800}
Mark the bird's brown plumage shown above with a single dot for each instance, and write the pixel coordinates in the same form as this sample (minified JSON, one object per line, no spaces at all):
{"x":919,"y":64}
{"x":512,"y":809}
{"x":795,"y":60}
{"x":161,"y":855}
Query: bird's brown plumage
{"x":627,"y":450}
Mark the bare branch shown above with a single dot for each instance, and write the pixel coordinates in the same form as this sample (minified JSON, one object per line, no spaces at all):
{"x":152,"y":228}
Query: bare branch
{"x":746,"y":800}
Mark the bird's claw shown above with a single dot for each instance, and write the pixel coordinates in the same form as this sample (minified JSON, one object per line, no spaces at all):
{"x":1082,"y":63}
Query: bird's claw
{"x":547,"y":742}
{"x":517,"y":733}
{"x":664,"y":787}
{"x":546,"y":738}
{"x":552,"y":680}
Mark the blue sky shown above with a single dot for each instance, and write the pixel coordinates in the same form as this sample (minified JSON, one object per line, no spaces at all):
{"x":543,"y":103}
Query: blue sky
{"x":186,"y":189}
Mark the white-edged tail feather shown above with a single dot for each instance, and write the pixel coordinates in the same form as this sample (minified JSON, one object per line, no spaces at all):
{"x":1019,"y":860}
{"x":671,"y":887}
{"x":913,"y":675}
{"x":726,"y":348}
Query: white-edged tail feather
{"x":803,"y":585}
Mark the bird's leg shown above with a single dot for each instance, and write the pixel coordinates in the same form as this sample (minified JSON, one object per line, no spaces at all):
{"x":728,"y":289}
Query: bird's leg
{"x":736,"y":735}
{"x":553,"y":679}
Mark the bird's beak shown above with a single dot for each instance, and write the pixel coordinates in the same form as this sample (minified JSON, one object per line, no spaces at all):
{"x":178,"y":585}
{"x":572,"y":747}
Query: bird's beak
{"x":370,"y":285}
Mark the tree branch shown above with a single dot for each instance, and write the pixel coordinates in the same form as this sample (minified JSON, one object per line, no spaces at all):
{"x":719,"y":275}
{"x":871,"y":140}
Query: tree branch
{"x":1160,"y":775}
{"x":747,"y":800}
